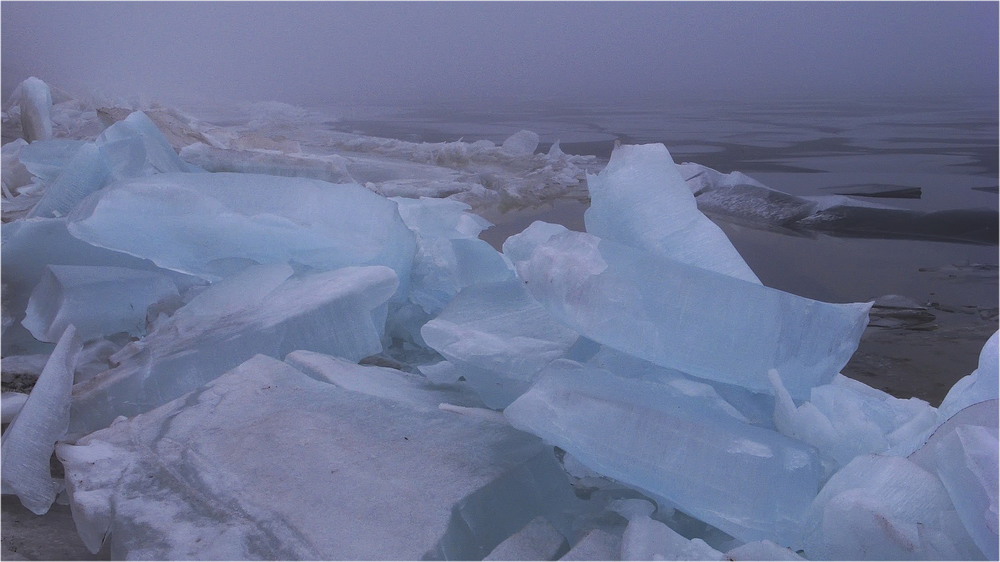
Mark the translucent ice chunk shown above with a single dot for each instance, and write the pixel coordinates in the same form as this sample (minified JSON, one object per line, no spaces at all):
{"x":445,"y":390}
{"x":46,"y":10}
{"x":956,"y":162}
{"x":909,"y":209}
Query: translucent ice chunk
{"x":521,"y":143}
{"x":196,"y":223}
{"x":967,"y":466}
{"x":36,"y":109}
{"x":646,"y":436}
{"x":538,"y":540}
{"x":449,"y":255}
{"x":684,"y":317}
{"x":885,"y":508}
{"x":98,"y":301}
{"x":648,"y":539}
{"x":135,"y":147}
{"x":205,"y":476}
{"x":641,"y":200}
{"x":498,"y":338}
{"x":47,"y":159}
{"x":596,"y":544}
{"x":331,"y":168}
{"x":12,"y":171}
{"x":31,"y":245}
{"x":847,"y":418}
{"x":86,"y":172}
{"x":981,"y":384}
{"x":29,"y":441}
{"x":340,"y":312}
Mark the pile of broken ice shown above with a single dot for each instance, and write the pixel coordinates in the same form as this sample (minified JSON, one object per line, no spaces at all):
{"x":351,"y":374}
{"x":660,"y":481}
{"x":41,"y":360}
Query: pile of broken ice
{"x":631,"y":392}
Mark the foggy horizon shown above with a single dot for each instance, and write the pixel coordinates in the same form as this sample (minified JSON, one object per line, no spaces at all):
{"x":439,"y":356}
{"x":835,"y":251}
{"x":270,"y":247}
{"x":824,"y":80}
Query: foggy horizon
{"x":384,"y":52}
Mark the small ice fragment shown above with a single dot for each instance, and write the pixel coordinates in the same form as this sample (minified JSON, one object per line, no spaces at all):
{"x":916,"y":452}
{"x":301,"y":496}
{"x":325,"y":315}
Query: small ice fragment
{"x":648,"y":539}
{"x":36,"y":109}
{"x":641,"y":200}
{"x":538,"y":540}
{"x":97,"y":300}
{"x":44,"y":418}
{"x":521,"y":143}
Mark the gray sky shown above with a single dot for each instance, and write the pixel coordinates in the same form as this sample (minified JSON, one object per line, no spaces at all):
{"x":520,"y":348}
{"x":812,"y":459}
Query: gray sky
{"x":306,"y":52}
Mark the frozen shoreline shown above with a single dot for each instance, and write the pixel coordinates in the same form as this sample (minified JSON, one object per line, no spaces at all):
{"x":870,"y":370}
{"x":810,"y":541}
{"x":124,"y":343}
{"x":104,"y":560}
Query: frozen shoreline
{"x":614,"y":317}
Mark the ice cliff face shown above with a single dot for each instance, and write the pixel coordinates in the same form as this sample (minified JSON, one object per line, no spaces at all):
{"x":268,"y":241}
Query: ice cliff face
{"x":259,"y":363}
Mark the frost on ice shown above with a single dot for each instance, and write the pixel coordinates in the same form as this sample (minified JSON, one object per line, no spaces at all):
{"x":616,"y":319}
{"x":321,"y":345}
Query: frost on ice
{"x":632,"y":391}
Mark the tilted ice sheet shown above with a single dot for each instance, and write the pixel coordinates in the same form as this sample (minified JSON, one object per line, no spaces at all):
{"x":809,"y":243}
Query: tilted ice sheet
{"x":654,"y":439}
{"x":341,"y":312}
{"x":310,"y":471}
{"x":680,"y":316}
{"x":97,"y":300}
{"x":498,"y":338}
{"x":209,"y":224}
{"x":641,"y":200}
{"x":982,"y":384}
{"x":44,"y":418}
{"x":331,"y":168}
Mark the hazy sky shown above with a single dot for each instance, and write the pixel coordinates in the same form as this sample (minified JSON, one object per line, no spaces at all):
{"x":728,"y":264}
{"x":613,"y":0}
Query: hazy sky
{"x":305,"y":52}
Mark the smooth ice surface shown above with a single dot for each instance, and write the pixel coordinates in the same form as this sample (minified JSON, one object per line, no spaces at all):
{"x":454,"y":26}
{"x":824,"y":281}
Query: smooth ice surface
{"x":885,"y":508}
{"x":46,"y":160}
{"x":204,"y":224}
{"x":538,"y":540}
{"x":97,"y":300}
{"x":644,"y":435}
{"x":206,"y":476}
{"x":86,"y":172}
{"x":596,"y":544}
{"x":982,"y":384}
{"x":36,"y":109}
{"x":680,"y":316}
{"x":521,"y":143}
{"x":29,"y":246}
{"x":498,"y":338}
{"x":641,"y":200}
{"x":647,"y":539}
{"x":341,"y":312}
{"x":11,"y":405}
{"x":967,"y":466}
{"x":43,"y":420}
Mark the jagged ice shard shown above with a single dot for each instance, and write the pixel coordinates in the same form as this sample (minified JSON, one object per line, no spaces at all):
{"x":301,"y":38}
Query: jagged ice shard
{"x":262,"y":310}
{"x":43,"y":420}
{"x":641,"y":200}
{"x":205,"y":476}
{"x":36,"y":109}
{"x":680,"y":316}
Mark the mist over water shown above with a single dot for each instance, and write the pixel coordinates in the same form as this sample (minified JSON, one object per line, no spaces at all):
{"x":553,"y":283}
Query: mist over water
{"x":486,"y":53}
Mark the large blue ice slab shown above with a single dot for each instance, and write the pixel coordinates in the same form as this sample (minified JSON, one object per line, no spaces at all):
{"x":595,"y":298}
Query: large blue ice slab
{"x":676,"y":315}
{"x":207,"y":224}
{"x":750,"y":482}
